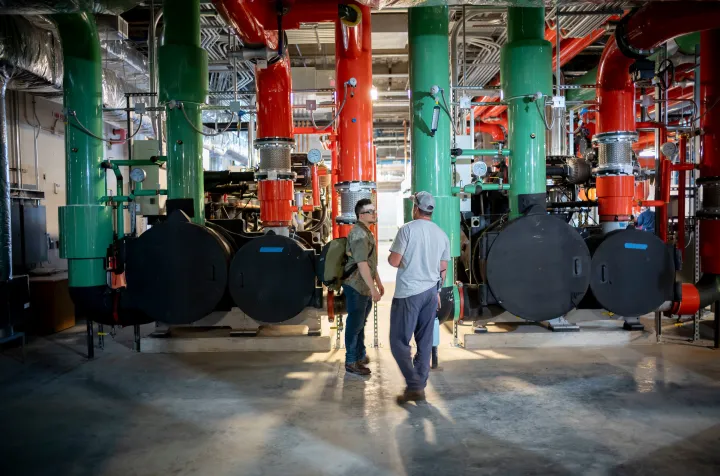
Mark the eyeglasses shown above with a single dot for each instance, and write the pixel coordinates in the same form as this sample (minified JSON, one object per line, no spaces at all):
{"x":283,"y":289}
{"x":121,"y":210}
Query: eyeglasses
{"x":372,"y":212}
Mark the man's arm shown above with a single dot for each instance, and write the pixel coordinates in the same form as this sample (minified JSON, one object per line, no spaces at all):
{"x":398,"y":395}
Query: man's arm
{"x":364,"y":269}
{"x":379,"y":284}
{"x":395,"y":259}
{"x":443,"y":271}
{"x":398,"y":248}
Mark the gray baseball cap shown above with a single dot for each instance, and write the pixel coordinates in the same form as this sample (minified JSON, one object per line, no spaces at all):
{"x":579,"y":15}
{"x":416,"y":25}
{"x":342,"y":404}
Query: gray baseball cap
{"x":424,"y":201}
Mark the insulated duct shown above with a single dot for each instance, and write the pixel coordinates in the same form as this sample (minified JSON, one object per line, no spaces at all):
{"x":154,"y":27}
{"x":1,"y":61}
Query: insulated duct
{"x":46,"y":7}
{"x":5,"y":206}
{"x":35,"y":55}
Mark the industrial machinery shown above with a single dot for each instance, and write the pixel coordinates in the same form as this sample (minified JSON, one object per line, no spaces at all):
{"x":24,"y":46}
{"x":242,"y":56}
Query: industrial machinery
{"x":540,"y":223}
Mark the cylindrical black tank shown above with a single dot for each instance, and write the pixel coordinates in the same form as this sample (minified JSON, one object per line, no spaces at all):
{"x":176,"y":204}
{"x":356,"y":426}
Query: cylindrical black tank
{"x":538,"y":267}
{"x":272,"y":278}
{"x":177,"y":272}
{"x":632,"y":272}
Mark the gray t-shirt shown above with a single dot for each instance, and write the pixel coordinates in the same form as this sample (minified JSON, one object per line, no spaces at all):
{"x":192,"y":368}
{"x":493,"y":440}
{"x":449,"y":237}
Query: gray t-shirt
{"x":422,"y":245}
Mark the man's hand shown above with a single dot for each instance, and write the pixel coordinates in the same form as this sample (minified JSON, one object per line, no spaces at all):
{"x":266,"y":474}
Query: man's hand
{"x":375,"y":294}
{"x":381,"y":288}
{"x":439,"y":305}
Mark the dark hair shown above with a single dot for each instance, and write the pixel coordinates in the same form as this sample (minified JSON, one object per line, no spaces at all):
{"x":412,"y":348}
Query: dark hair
{"x":360,"y":205}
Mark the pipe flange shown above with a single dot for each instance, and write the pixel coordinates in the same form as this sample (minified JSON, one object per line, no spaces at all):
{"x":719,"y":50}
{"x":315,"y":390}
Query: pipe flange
{"x":273,"y":175}
{"x":614,"y":137}
{"x":353,"y":186}
{"x":285,"y":142}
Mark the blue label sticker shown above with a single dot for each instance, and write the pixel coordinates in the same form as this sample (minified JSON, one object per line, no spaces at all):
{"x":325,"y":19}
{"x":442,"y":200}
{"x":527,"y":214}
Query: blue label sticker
{"x":635,"y":246}
{"x":271,"y":249}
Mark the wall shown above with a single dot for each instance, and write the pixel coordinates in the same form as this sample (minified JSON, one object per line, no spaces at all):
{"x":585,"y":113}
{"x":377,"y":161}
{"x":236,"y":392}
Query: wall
{"x":51,"y":160}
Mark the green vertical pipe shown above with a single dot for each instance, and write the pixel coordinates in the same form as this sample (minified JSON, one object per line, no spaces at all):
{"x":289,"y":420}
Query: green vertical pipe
{"x":431,"y":160}
{"x":525,"y":69}
{"x":85,"y":224}
{"x":183,"y":75}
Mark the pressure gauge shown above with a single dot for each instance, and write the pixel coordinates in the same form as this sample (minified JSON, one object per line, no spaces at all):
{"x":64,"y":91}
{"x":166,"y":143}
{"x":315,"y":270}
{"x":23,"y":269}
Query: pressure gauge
{"x":479,"y":168}
{"x":314,"y":156}
{"x":137,"y":175}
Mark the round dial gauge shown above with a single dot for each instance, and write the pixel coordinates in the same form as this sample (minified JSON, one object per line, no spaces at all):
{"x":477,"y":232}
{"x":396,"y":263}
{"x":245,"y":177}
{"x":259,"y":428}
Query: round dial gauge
{"x":479,"y":168}
{"x":137,"y":175}
{"x":314,"y":156}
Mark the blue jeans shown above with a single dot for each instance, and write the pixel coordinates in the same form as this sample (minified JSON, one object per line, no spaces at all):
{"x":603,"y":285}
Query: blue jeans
{"x":413,"y":316}
{"x":358,"y":309}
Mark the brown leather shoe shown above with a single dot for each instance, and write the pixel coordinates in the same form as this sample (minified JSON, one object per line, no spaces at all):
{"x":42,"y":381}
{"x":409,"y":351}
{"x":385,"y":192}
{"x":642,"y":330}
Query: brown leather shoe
{"x":357,"y":368}
{"x":411,"y":396}
{"x":365,"y":360}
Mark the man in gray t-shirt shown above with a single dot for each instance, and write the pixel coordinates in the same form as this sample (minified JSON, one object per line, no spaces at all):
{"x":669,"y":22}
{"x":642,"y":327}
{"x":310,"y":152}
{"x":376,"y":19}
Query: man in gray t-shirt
{"x":420,"y":251}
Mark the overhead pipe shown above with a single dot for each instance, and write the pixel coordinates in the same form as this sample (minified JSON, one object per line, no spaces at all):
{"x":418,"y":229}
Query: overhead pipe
{"x":353,"y":64}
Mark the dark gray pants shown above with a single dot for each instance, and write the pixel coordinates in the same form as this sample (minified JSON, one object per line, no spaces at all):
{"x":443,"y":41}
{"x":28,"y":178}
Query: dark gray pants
{"x":410,"y":316}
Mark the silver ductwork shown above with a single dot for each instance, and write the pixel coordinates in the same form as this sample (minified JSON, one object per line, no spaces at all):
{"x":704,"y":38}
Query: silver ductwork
{"x":275,"y":158}
{"x":349,"y":193}
{"x":615,"y":151}
{"x":47,"y":7}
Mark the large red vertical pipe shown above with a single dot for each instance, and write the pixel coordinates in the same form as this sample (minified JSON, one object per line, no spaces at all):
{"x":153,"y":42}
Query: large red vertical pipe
{"x":710,"y":140}
{"x":273,"y":86}
{"x":274,"y":142}
{"x":353,"y":60}
{"x":333,"y":192}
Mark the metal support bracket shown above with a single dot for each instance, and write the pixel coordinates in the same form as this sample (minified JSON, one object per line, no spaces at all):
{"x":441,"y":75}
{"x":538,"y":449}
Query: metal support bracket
{"x":561,"y":324}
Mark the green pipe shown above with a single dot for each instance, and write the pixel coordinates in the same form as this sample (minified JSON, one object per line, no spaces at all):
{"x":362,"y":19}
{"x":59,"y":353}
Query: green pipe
{"x":486,"y":152}
{"x":586,"y":94}
{"x":183,"y":73}
{"x":139,"y":162}
{"x":687,"y":43}
{"x":525,"y":69}
{"x":120,"y":222}
{"x":431,"y":161}
{"x":86,"y":228}
{"x":475,"y":188}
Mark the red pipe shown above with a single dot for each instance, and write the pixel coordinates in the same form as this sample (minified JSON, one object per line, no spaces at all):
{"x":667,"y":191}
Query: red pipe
{"x":682,"y":156}
{"x":333,"y":191}
{"x":249,"y":18}
{"x":353,"y":51}
{"x":651,"y":25}
{"x":662,"y":212}
{"x":710,"y":125}
{"x":497,"y":133}
{"x":273,"y":87}
{"x":353,"y":59}
{"x":315,"y":181}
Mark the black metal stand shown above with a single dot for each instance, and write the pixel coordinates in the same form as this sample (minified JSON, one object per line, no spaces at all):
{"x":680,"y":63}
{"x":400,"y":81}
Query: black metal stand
{"x":434,"y":361}
{"x":633,"y":324}
{"x":90,"y":340}
{"x":136,"y":330}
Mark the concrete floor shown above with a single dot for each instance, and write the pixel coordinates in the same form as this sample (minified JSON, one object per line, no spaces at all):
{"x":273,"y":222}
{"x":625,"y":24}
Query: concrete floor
{"x":650,"y":409}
